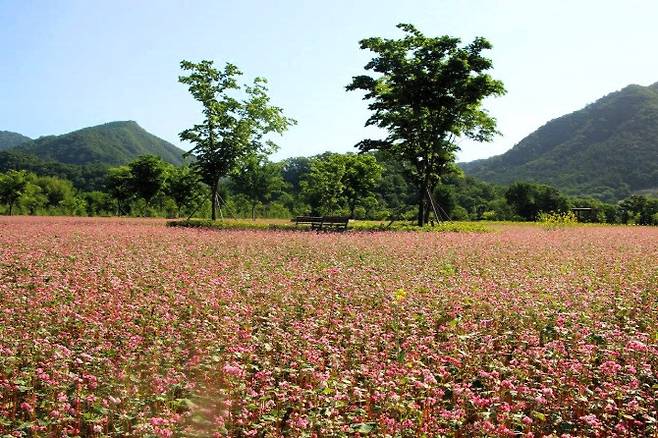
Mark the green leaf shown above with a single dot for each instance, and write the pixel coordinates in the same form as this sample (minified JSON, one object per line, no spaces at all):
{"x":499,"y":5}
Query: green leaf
{"x":364,"y":428}
{"x":538,"y":415}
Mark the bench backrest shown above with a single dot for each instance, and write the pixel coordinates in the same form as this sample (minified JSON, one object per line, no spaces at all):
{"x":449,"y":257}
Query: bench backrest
{"x":309,"y":219}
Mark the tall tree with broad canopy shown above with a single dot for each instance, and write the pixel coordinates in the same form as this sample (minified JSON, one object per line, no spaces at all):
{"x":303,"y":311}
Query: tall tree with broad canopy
{"x":236,"y":121}
{"x":427,"y":93}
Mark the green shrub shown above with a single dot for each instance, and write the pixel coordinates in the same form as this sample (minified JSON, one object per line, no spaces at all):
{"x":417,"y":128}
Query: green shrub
{"x":555,"y":220}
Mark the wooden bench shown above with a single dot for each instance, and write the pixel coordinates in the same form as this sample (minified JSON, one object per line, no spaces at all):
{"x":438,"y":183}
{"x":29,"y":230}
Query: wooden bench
{"x":323,"y":223}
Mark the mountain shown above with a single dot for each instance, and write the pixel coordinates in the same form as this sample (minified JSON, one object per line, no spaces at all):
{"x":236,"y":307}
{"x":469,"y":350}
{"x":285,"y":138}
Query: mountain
{"x":113,"y":143}
{"x":608,"y":149}
{"x":10,"y":139}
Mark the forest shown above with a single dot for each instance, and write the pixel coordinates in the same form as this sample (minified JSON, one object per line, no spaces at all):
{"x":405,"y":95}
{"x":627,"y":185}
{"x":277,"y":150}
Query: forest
{"x":362,"y":186}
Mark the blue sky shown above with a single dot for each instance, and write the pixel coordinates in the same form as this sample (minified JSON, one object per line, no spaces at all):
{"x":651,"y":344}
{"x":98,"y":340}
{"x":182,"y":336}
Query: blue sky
{"x":75,"y":63}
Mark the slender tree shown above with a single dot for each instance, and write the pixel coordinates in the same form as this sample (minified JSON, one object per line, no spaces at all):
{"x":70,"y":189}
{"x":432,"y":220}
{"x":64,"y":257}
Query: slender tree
{"x":237,"y":120}
{"x":427,"y":93}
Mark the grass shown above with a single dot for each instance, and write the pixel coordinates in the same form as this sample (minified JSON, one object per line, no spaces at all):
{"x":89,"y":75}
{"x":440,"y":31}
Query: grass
{"x":354,"y":225}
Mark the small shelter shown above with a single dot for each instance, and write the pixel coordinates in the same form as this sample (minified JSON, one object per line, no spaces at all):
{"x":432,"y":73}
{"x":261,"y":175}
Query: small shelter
{"x":585,"y":214}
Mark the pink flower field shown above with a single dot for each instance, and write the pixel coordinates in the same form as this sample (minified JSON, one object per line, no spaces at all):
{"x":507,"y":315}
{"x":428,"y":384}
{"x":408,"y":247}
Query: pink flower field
{"x":114,"y":327}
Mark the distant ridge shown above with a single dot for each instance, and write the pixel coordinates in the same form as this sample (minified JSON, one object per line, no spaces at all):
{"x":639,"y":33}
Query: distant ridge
{"x":10,"y":139}
{"x":608,"y":149}
{"x":112,"y":143}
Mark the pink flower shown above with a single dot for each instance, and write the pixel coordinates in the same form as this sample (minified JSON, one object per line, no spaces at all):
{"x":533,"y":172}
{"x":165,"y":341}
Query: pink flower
{"x":157,"y":421}
{"x":591,"y":420}
{"x":232,"y":370}
{"x":164,"y":433}
{"x":609,"y":368}
{"x":636,"y":346}
{"x":301,"y":423}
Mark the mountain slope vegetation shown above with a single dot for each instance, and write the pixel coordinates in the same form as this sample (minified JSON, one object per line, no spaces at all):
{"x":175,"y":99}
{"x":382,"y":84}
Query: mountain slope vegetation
{"x":10,"y":139}
{"x":609,"y":149}
{"x":113,"y":143}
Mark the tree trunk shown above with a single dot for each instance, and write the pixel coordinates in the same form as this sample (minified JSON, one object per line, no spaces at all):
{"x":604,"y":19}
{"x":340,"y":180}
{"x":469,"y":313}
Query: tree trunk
{"x":215,"y":183}
{"x":213,"y":201}
{"x":421,"y":207}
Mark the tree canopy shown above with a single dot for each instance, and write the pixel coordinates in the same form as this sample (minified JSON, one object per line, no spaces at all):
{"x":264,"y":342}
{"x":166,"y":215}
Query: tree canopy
{"x":338,"y":183}
{"x":427,"y":92}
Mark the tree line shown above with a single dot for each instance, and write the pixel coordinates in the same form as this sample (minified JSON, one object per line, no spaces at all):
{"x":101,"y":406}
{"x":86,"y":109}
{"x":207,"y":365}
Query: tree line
{"x":362,"y":186}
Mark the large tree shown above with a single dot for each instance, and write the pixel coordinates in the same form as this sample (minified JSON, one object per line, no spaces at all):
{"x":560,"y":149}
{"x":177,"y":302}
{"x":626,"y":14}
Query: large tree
{"x":427,"y":93}
{"x":236,"y":121}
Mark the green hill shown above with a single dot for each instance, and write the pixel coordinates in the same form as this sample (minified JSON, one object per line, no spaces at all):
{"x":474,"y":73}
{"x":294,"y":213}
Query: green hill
{"x":83,"y":176}
{"x":608,"y":149}
{"x":10,"y":139}
{"x":110,"y":144}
